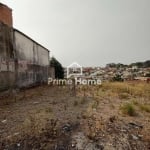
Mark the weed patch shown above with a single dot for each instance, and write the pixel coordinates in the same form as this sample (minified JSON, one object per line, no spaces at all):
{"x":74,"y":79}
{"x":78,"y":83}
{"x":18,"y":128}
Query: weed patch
{"x":128,"y":109}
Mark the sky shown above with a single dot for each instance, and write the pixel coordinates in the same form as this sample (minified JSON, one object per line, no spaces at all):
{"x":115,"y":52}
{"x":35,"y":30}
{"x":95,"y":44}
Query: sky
{"x":89,"y":32}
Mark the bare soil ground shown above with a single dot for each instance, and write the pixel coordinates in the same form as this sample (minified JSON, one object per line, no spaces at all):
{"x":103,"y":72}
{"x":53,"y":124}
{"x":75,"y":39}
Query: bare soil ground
{"x":113,"y":116}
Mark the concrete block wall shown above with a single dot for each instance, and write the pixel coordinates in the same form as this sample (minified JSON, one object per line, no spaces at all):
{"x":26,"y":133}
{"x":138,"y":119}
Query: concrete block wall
{"x":33,"y":60}
{"x":7,"y":65}
{"x":23,"y":62}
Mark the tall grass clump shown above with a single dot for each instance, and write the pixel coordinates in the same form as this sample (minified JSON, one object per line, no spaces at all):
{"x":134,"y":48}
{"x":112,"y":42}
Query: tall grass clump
{"x":128,"y":109}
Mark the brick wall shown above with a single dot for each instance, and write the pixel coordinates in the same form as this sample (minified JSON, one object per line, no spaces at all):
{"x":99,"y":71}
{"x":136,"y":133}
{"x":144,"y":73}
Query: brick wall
{"x":6,"y":15}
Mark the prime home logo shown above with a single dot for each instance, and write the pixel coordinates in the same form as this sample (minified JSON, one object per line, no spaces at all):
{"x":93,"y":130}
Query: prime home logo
{"x":74,"y":70}
{"x":74,"y":76}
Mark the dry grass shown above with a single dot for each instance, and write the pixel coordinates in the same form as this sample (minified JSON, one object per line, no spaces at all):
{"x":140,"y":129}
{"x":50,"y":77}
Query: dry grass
{"x":134,"y":89}
{"x":48,"y":110}
{"x":132,"y":97}
{"x":145,"y":107}
{"x":37,"y":121}
{"x":94,"y":107}
{"x":83,"y":100}
{"x":123,"y":95}
{"x":95,"y":104}
{"x":95,"y":127}
{"x":80,"y":101}
{"x":135,"y":102}
{"x":137,"y":95}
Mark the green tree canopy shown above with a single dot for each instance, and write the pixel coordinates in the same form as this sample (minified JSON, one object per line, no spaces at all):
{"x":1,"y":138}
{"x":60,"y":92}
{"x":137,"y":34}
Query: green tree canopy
{"x":59,"y":70}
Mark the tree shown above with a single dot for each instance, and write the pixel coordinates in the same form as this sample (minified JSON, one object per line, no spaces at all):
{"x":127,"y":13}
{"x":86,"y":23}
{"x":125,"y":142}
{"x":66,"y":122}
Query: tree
{"x":117,"y":77}
{"x":147,"y":75}
{"x":114,"y":65}
{"x":145,"y":64}
{"x":59,"y":70}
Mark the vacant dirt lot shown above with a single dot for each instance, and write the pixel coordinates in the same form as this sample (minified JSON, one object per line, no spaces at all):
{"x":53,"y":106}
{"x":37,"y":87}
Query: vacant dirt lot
{"x":111,"y":116}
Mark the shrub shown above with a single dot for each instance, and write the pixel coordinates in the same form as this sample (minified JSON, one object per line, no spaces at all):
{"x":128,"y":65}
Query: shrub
{"x":117,"y":77}
{"x":128,"y":109}
{"x":95,"y":104}
{"x":75,"y":103}
{"x":83,"y":100}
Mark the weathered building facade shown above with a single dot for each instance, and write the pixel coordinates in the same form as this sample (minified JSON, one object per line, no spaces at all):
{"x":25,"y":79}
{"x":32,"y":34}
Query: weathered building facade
{"x":32,"y":60}
{"x":7,"y":63}
{"x":23,"y":61}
